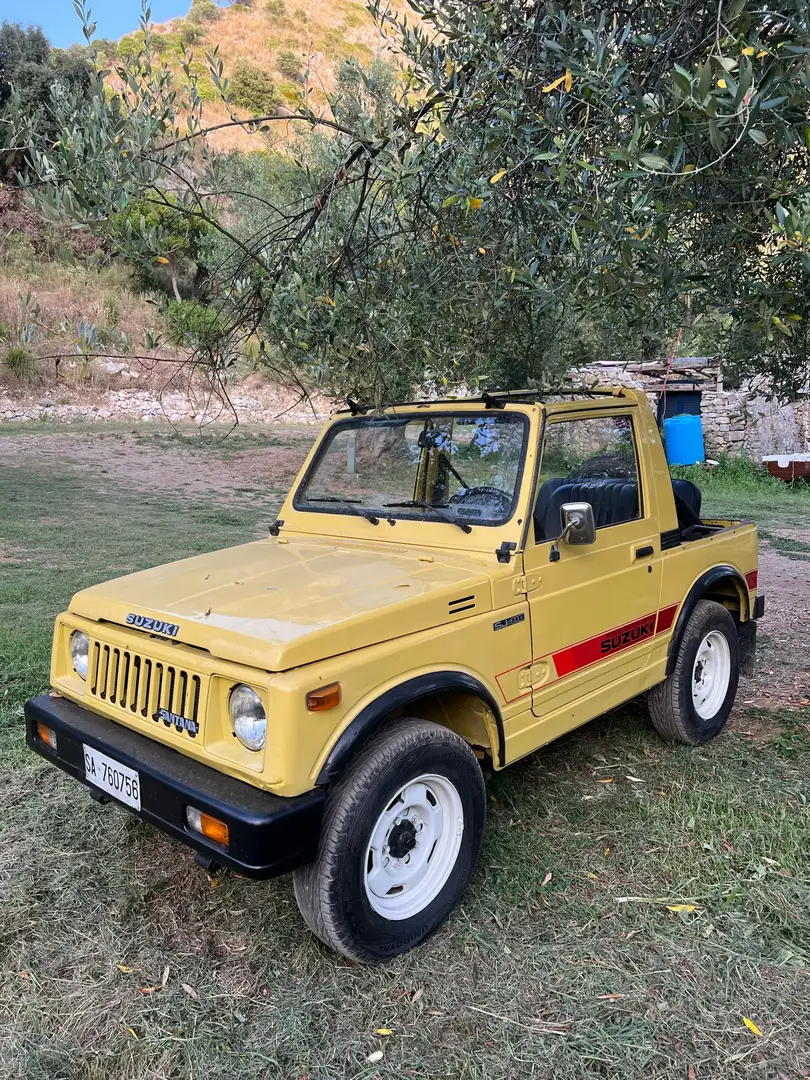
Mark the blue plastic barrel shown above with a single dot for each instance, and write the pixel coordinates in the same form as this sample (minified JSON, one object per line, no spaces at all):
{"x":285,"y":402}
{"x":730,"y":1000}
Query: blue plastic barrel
{"x":683,"y":438}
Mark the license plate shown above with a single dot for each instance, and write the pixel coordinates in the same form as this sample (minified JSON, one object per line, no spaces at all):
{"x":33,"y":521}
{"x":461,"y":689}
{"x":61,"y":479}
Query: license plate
{"x":113,"y":777}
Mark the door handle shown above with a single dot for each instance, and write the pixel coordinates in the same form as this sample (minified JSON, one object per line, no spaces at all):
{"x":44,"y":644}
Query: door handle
{"x":645,"y":552}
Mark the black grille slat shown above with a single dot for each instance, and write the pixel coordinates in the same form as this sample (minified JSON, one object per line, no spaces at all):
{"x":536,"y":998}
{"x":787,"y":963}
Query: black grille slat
{"x":462,"y":603}
{"x":139,"y":685}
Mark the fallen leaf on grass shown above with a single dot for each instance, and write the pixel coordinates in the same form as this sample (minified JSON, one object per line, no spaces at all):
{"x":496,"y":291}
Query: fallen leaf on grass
{"x":132,"y":1032}
{"x":376,"y":1056}
{"x":434,"y":1012}
{"x":546,"y":880}
{"x":752,"y":1027}
{"x":148,"y":989}
{"x":417,"y":994}
{"x":609,"y":780}
{"x":384,"y":1031}
{"x":635,"y":779}
{"x":610,"y":997}
{"x":192,"y":993}
{"x":680,"y":907}
{"x":165,"y":976}
{"x":126,"y":970}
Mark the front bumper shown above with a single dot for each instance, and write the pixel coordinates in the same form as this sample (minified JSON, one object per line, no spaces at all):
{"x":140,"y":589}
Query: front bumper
{"x":268,"y":834}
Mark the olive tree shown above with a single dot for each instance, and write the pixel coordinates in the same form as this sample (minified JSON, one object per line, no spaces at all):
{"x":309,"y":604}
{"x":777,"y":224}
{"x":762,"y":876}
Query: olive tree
{"x":543,"y":181}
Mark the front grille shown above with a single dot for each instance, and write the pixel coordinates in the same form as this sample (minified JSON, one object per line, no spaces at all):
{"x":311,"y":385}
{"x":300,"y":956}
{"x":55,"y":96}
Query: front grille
{"x":141,"y":686}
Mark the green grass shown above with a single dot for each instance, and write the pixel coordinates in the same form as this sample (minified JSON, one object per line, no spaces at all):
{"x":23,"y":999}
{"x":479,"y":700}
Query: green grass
{"x":580,"y":974}
{"x":738,"y":487}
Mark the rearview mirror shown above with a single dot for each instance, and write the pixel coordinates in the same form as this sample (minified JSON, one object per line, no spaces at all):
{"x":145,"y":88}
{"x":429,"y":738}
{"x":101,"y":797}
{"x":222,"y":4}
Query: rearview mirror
{"x":578,"y":524}
{"x":578,"y":527}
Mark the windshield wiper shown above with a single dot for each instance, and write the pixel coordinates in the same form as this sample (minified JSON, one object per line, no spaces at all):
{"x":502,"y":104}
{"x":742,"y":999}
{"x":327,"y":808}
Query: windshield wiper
{"x":351,"y":503}
{"x":434,"y":510}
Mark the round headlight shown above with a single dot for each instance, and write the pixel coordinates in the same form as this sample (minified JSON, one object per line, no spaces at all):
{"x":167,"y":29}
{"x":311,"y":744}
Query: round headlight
{"x":80,"y":651}
{"x":248,"y":717}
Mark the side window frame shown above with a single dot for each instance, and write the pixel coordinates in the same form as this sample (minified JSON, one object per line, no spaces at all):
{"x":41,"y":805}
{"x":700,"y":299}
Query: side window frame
{"x":629,"y":415}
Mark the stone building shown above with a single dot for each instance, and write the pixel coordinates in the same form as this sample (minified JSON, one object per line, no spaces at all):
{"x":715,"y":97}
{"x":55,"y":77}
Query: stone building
{"x":735,"y":421}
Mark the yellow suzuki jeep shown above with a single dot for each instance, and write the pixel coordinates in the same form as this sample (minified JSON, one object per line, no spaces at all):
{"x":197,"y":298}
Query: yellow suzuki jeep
{"x":450,"y":585}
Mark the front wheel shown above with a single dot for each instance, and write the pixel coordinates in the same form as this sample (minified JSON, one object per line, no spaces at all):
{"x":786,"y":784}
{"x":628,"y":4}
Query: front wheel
{"x":399,"y":843}
{"x":693,"y":703}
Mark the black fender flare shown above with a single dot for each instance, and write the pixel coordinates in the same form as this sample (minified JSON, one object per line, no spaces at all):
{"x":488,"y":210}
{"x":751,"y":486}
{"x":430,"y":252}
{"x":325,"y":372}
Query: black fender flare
{"x":372,"y":717}
{"x":698,"y":590}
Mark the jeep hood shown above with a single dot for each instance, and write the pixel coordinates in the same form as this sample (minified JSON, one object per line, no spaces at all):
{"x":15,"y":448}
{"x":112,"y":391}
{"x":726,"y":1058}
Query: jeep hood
{"x":276,"y":605}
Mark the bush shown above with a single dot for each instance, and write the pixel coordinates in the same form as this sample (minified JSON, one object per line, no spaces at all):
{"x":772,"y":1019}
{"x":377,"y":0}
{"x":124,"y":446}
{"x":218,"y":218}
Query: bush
{"x":301,"y":15}
{"x":203,"y":11}
{"x":251,"y":88}
{"x":131,"y":46}
{"x":189,"y":32}
{"x":275,"y":7}
{"x":21,"y":364}
{"x":107,"y":50}
{"x":288,"y":64}
{"x":192,"y":324}
{"x":207,"y":90}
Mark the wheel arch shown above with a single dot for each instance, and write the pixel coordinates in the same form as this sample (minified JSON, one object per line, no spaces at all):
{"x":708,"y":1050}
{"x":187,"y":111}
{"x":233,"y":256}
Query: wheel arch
{"x":446,"y":697}
{"x":723,"y":584}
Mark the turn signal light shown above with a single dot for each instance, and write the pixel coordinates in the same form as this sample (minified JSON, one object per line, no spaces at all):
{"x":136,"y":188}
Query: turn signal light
{"x":46,"y":734}
{"x":327,"y":697}
{"x":211,"y":827}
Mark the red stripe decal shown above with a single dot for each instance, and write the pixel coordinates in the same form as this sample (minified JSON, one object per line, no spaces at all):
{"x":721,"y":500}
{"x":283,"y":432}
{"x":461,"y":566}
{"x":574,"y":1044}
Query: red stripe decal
{"x":666,"y":617}
{"x":606,"y":644}
{"x":751,"y":579}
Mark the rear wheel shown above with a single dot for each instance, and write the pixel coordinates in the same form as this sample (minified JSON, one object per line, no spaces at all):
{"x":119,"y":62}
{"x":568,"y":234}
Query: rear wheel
{"x":399,"y":843}
{"x":693,"y":703}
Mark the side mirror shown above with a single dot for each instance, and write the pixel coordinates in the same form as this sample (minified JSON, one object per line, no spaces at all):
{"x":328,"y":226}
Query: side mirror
{"x":578,"y":518}
{"x":578,"y":527}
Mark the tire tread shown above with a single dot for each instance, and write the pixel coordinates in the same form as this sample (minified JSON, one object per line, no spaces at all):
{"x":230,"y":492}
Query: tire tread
{"x":314,"y":884}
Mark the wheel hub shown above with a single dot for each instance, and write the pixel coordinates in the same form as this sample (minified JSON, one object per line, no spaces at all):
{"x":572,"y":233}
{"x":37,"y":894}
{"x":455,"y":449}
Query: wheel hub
{"x":413,"y":847}
{"x":711,"y":674}
{"x":402,"y":839}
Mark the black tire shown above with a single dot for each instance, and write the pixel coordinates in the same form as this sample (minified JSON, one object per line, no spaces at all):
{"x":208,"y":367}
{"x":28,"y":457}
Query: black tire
{"x":671,"y":705}
{"x":331,"y":892}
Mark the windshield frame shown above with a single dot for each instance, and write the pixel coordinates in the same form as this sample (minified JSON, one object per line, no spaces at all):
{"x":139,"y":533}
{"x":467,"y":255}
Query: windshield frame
{"x":300,"y":505}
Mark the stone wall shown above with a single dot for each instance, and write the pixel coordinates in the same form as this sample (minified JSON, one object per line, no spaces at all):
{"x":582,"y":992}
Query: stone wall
{"x":734,"y":421}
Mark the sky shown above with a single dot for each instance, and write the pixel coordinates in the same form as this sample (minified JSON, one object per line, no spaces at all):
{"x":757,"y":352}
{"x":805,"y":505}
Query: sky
{"x":61,"y":24}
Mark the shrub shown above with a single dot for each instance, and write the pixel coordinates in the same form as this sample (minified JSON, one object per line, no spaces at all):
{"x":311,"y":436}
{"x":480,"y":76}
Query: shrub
{"x":21,"y":364}
{"x":251,"y":88}
{"x":288,"y":64}
{"x":130,"y":46}
{"x":301,"y":15}
{"x":207,"y":90}
{"x":189,"y":32}
{"x":192,"y":324}
{"x":275,"y":7}
{"x":202,"y":11}
{"x":106,"y":49}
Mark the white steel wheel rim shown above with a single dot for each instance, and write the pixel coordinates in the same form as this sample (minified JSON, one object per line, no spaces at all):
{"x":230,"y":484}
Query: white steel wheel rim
{"x":711,"y":674}
{"x":413,"y":848}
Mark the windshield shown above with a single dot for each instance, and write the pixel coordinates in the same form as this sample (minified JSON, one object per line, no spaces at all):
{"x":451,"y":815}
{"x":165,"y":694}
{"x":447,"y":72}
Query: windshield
{"x":462,"y":468}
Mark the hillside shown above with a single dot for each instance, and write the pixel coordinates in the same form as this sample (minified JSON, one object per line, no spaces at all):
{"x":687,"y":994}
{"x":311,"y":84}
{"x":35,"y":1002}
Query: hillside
{"x":298,"y":43}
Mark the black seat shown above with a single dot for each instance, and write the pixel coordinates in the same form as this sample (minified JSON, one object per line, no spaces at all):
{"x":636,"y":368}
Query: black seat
{"x":613,"y":501}
{"x":690,"y":493}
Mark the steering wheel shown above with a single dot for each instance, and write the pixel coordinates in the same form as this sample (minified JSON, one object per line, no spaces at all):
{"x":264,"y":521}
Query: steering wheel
{"x":490,"y":497}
